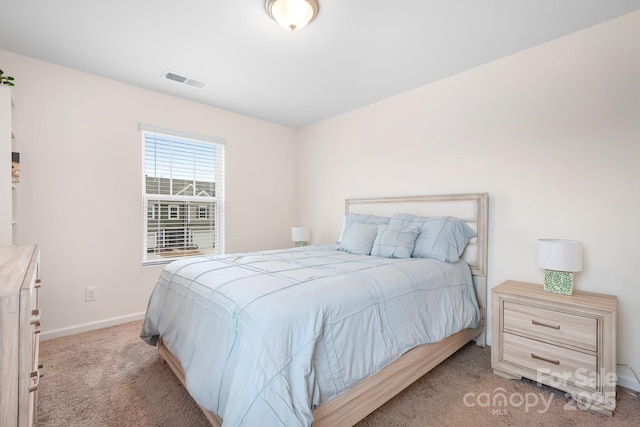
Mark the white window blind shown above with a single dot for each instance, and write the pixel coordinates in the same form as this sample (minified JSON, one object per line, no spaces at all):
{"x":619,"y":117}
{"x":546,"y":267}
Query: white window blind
{"x":183,"y":195}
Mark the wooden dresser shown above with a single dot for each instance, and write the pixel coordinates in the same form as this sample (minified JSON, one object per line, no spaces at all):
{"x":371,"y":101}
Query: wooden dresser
{"x":19,"y":335}
{"x":565,"y":341}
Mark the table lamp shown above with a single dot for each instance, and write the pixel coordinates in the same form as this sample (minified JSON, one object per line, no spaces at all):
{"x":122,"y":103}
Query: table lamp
{"x":560,"y":259}
{"x":300,"y":235}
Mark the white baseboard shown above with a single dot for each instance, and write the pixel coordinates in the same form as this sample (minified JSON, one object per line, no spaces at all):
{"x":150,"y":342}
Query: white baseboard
{"x":627,"y":379}
{"x":92,"y":326}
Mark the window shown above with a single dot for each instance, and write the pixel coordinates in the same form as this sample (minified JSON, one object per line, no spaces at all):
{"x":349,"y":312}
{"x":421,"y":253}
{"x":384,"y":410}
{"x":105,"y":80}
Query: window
{"x":152,"y":212}
{"x":183,"y":195}
{"x":174,"y":212}
{"x":203,"y":212}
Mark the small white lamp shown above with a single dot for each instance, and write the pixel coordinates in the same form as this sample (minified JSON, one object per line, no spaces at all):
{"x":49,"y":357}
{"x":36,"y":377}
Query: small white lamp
{"x":300,"y":235}
{"x":560,"y":259}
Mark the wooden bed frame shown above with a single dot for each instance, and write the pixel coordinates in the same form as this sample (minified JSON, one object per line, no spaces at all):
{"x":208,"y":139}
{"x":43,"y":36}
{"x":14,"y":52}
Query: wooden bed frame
{"x":372,"y":392}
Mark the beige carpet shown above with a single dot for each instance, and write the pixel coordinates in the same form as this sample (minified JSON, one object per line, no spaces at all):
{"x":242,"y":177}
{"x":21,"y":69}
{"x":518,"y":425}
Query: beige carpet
{"x":111,"y":378}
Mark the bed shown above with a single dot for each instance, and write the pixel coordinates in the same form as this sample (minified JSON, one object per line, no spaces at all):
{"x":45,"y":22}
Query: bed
{"x":324,"y":334}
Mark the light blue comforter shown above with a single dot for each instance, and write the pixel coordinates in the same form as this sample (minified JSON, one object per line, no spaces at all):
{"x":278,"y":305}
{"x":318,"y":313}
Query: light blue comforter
{"x":265,"y":337}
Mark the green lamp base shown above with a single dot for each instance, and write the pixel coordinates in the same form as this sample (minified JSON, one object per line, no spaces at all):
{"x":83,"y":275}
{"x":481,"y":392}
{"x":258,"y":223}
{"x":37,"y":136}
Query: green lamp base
{"x":558,"y":282}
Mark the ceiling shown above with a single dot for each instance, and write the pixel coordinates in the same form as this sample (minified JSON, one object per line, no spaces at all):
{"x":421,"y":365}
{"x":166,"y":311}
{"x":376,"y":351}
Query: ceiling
{"x":355,"y":53}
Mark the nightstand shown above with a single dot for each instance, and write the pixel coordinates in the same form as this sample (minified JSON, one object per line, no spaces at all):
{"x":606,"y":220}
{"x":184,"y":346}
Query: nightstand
{"x":564,"y":341}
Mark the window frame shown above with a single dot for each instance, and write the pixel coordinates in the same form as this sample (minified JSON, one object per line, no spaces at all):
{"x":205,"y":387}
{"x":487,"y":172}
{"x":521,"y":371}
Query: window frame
{"x":202,"y":212}
{"x":152,"y":211}
{"x":171,"y":211}
{"x":215,"y":205}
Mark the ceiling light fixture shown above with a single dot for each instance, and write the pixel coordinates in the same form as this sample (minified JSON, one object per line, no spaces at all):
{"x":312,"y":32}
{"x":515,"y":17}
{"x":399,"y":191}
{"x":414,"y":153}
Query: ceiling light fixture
{"x":292,"y":14}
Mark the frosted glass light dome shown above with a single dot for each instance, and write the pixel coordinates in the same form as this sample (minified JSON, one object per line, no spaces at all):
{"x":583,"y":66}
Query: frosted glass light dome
{"x":292,"y":14}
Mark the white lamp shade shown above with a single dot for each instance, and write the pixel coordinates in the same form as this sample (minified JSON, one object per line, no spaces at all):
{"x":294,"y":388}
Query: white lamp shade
{"x":292,"y":14}
{"x":560,"y":255}
{"x":300,"y":234}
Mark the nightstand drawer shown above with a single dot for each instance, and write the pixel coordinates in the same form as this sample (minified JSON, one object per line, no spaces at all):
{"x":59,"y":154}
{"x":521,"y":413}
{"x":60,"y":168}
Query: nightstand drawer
{"x":566,"y":328}
{"x":566,"y":342}
{"x":572,"y":366}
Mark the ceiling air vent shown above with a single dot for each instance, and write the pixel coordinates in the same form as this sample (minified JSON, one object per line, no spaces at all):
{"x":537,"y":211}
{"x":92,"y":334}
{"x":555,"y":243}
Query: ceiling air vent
{"x":170,"y":75}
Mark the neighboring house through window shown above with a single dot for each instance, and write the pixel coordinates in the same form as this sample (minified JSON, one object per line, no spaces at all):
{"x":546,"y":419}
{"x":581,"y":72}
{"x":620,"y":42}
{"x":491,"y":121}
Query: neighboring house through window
{"x":183,"y":195}
{"x":174,"y":212}
{"x":203,"y":212}
{"x":152,"y":211}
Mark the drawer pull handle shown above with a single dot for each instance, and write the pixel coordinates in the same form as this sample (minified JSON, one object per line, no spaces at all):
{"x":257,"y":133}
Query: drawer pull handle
{"x":546,"y":325}
{"x":34,"y":386}
{"x":35,"y":317}
{"x":544,"y":359}
{"x":38,"y":283}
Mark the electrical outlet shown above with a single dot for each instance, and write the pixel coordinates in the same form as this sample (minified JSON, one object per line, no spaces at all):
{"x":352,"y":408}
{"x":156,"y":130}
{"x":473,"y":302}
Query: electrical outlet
{"x":90,"y":294}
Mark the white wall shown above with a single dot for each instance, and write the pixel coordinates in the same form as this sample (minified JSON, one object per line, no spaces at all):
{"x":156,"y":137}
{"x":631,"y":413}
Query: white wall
{"x":81,"y":184}
{"x":551,"y":133}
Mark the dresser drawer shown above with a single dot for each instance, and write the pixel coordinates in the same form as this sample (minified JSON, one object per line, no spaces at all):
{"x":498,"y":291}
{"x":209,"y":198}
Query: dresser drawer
{"x":19,"y":335}
{"x":544,"y":359}
{"x":566,"y":328}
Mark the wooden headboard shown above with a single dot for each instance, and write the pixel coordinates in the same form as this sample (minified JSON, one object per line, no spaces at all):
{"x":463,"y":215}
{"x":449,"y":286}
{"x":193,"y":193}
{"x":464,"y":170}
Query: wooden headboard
{"x":473,"y":208}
